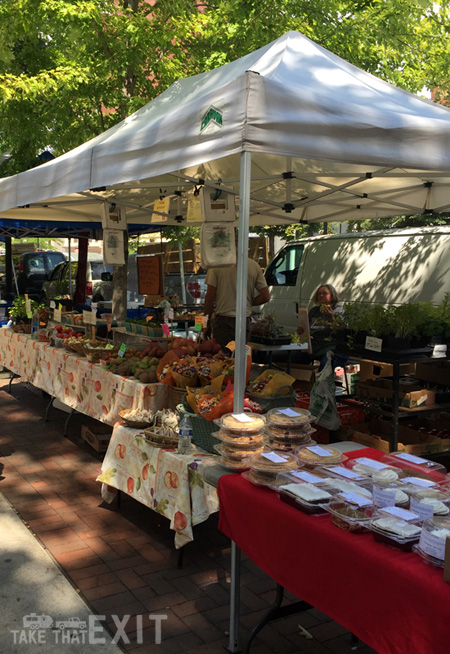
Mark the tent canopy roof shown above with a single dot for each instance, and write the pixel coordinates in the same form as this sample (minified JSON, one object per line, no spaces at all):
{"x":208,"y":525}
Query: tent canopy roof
{"x":328,"y":142}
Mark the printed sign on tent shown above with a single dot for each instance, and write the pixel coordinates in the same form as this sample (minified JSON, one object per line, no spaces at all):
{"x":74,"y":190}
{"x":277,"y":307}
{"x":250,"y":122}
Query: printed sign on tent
{"x":113,"y":247}
{"x":161,"y":210}
{"x":113,"y":217}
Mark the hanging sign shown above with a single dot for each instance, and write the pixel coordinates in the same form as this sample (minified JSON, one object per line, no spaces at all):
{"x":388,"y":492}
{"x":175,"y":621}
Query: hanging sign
{"x":161,"y":210}
{"x":194,"y":209}
{"x":113,"y":217}
{"x":113,"y":252}
{"x":150,"y":275}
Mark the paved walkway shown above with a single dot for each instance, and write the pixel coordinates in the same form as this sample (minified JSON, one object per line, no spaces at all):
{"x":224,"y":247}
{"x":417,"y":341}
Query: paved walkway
{"x":71,"y":555}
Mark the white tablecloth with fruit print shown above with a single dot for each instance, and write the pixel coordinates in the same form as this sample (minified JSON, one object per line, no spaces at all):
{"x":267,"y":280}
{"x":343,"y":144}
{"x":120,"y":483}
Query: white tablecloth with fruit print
{"x":89,"y":388}
{"x":169,"y":483}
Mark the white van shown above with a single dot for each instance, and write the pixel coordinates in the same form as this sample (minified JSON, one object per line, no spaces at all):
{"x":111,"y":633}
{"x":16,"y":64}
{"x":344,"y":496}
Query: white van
{"x":379,"y":267}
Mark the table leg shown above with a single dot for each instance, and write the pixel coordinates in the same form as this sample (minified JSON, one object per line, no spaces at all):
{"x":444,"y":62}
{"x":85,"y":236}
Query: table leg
{"x":235,"y":583}
{"x":395,"y":404}
{"x":12,"y":375}
{"x":47,"y":410}
{"x":66,"y":424}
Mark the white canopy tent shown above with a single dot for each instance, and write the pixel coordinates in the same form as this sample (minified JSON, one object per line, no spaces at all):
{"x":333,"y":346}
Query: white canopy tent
{"x":293,"y":130}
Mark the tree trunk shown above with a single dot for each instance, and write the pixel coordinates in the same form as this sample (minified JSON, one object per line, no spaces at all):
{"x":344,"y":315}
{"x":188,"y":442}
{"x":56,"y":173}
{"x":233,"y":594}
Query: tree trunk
{"x":120,"y":287}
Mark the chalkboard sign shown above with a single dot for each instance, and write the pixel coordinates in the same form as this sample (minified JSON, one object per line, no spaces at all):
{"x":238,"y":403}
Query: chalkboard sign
{"x":150,"y":275}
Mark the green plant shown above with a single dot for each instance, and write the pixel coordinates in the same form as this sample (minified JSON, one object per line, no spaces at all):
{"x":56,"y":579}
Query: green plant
{"x":60,"y":287}
{"x":18,"y":308}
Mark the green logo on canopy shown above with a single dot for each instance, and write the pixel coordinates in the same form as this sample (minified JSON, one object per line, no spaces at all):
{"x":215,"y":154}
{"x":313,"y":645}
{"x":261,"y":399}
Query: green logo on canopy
{"x":213,"y":115}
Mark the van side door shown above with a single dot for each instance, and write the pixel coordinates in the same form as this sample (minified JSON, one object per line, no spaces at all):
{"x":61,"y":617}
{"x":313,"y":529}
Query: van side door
{"x":283,"y":277}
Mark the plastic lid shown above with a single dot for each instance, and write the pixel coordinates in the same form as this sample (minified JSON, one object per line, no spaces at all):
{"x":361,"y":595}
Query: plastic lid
{"x":351,"y":509}
{"x":396,"y":524}
{"x":319,"y":455}
{"x":236,"y":454}
{"x":431,"y":502}
{"x":301,"y":477}
{"x":247,"y":442}
{"x":288,"y":433}
{"x":377,"y":470}
{"x":431,"y":546}
{"x":273,"y":462}
{"x":241,"y":422}
{"x":416,"y":463}
{"x":292,"y":417}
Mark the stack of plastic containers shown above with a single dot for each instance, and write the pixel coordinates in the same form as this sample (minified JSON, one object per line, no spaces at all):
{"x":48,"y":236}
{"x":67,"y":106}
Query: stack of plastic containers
{"x":265,"y":467}
{"x":287,"y":428}
{"x":241,"y":437}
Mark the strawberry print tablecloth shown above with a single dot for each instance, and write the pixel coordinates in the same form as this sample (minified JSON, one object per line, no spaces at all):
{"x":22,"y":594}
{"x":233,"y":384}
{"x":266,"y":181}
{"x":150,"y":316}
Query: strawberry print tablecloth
{"x":169,"y":483}
{"x":89,"y":388}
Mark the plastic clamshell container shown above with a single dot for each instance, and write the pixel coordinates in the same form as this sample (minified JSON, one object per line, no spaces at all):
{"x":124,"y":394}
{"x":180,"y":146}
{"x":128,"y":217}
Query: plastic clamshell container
{"x":237,"y":454}
{"x":246,"y":442}
{"x":431,"y":545}
{"x":301,"y":476}
{"x":341,"y":472}
{"x":376,"y":470}
{"x":336,"y":486}
{"x":259,"y":480}
{"x":241,"y":423}
{"x":390,"y":493}
{"x":430,"y":502}
{"x":309,"y":498}
{"x":319,"y":455}
{"x":396,"y":527}
{"x":292,"y":433}
{"x":289,"y":417}
{"x":413,"y":483}
{"x":286,"y":446}
{"x":233,"y":464}
{"x":351,"y":512}
{"x":273,"y":462}
{"x":405,"y":460}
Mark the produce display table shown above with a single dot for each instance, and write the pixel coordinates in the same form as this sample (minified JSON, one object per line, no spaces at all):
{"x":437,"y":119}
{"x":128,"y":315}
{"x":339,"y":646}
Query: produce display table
{"x":83,"y":386}
{"x":169,"y":483}
{"x":389,"y":599}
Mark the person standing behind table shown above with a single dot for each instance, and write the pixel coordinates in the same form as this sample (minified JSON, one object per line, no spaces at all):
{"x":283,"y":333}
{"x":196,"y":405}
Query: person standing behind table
{"x":220,"y":299}
{"x":321,"y":318}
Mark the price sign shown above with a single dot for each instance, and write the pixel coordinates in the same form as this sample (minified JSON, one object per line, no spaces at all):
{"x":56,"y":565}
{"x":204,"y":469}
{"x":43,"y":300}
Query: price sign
{"x":29,"y":314}
{"x":89,"y":318}
{"x":108,"y":318}
{"x":52,"y":304}
{"x":28,"y":306}
{"x":374,"y":344}
{"x":122,"y":350}
{"x":57,"y":315}
{"x":165,"y":329}
{"x":60,"y":306}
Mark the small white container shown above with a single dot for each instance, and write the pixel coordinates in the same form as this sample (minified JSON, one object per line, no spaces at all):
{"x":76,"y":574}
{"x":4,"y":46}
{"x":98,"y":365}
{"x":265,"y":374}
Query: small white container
{"x":431,"y":546}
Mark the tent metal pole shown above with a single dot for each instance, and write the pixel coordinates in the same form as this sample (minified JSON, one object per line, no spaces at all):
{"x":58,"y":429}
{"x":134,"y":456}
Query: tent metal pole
{"x":70,"y":267}
{"x":241,"y":285}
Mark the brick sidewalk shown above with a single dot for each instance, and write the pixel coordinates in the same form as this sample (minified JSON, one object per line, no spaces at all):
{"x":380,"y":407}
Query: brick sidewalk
{"x":123,"y":561}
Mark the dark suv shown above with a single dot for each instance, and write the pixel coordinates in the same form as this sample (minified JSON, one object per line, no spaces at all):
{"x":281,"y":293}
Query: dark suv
{"x":34,"y":269}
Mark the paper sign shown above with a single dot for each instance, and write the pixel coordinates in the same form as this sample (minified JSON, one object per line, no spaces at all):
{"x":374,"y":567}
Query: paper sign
{"x":242,"y":417}
{"x":382,"y":497}
{"x":439,"y":352}
{"x":29,"y":314}
{"x":374,"y":344}
{"x":231,"y":346}
{"x":400,"y":513}
{"x":165,"y":329}
{"x":359,"y":500}
{"x":432,"y":545}
{"x":194,"y":209}
{"x":57,"y":315}
{"x":200,"y":320}
{"x":52,"y":304}
{"x":161,"y":210}
{"x":424,"y":510}
{"x":198,"y":327}
{"x":60,"y":306}
{"x":320,"y":451}
{"x":89,"y":318}
{"x":28,"y":306}
{"x":170,"y":314}
{"x":345,"y":472}
{"x":371,"y":463}
{"x":275,"y":458}
{"x":307,"y":476}
{"x":94,"y":306}
{"x":108,"y":318}
{"x":122,"y":350}
{"x":289,"y":412}
{"x":417,"y":481}
{"x":412,"y":459}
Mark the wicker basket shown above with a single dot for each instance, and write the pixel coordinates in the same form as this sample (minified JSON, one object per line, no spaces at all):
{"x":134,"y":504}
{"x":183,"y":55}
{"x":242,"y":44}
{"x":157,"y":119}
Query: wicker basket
{"x":202,"y":430}
{"x":22,"y":328}
{"x":274,"y":401}
{"x":176,"y":396}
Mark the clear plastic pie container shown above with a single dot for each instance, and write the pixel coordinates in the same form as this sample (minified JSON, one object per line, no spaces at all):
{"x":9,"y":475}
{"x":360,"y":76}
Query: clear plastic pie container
{"x":286,"y":446}
{"x":341,"y":472}
{"x":236,"y":441}
{"x":309,"y":498}
{"x":289,"y":417}
{"x":292,"y":433}
{"x":351,"y":512}
{"x":413,"y":484}
{"x":269,"y":464}
{"x":396,"y":527}
{"x":233,"y":464}
{"x":302,"y":476}
{"x":257,"y":479}
{"x":431,"y":546}
{"x":416,"y":463}
{"x":319,"y":455}
{"x":430,"y":502}
{"x":238,"y":454}
{"x":376,"y":470}
{"x":241,"y":423}
{"x":390,"y":493}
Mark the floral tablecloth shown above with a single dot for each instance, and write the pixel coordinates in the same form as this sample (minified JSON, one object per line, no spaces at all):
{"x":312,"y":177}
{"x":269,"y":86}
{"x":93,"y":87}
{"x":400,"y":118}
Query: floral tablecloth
{"x":169,"y":483}
{"x":84,"y":386}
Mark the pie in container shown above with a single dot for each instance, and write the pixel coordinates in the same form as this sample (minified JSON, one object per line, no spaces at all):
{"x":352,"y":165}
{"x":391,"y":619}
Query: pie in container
{"x":251,"y":440}
{"x":263,"y":464}
{"x":295,"y":418}
{"x":255,"y":422}
{"x":305,"y":455}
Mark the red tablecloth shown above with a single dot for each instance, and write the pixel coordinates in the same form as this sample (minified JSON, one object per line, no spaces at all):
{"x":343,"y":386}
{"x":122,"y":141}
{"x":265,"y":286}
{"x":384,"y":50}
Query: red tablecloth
{"x":390,"y":599}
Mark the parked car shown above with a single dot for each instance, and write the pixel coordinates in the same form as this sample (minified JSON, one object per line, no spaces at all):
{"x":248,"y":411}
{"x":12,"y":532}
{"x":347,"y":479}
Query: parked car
{"x":58,"y":280}
{"x":34,"y":268}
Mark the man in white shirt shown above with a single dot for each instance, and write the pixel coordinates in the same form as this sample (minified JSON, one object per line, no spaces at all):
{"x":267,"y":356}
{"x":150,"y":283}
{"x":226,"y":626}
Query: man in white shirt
{"x":220,"y":299}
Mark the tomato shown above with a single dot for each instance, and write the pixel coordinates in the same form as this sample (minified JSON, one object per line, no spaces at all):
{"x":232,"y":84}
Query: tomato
{"x":58,"y":328}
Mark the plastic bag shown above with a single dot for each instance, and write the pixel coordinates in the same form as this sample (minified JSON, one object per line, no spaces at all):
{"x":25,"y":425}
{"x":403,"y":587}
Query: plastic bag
{"x":220,"y":403}
{"x":163,"y":371}
{"x":322,"y":403}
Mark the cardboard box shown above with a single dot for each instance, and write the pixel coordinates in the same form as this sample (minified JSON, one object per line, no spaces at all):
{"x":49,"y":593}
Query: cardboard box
{"x":377,"y":434}
{"x":372,"y":369}
{"x":410,"y":395}
{"x":436,"y":372}
{"x":97,"y":437}
{"x":304,"y":374}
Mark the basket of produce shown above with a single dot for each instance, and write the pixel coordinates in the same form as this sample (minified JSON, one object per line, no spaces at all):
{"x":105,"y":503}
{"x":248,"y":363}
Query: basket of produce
{"x":284,"y":397}
{"x":22,"y":328}
{"x":95,"y":350}
{"x":202,"y":429}
{"x":137,"y":418}
{"x":74,"y":344}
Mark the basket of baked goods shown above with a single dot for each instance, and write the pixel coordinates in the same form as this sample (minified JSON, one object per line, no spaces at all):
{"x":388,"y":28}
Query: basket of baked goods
{"x":272,"y":389}
{"x":163,"y":433}
{"x":137,"y":418}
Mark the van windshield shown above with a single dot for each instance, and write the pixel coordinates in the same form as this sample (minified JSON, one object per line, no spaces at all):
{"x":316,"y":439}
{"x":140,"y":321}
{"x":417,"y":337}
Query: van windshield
{"x":283,"y":270}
